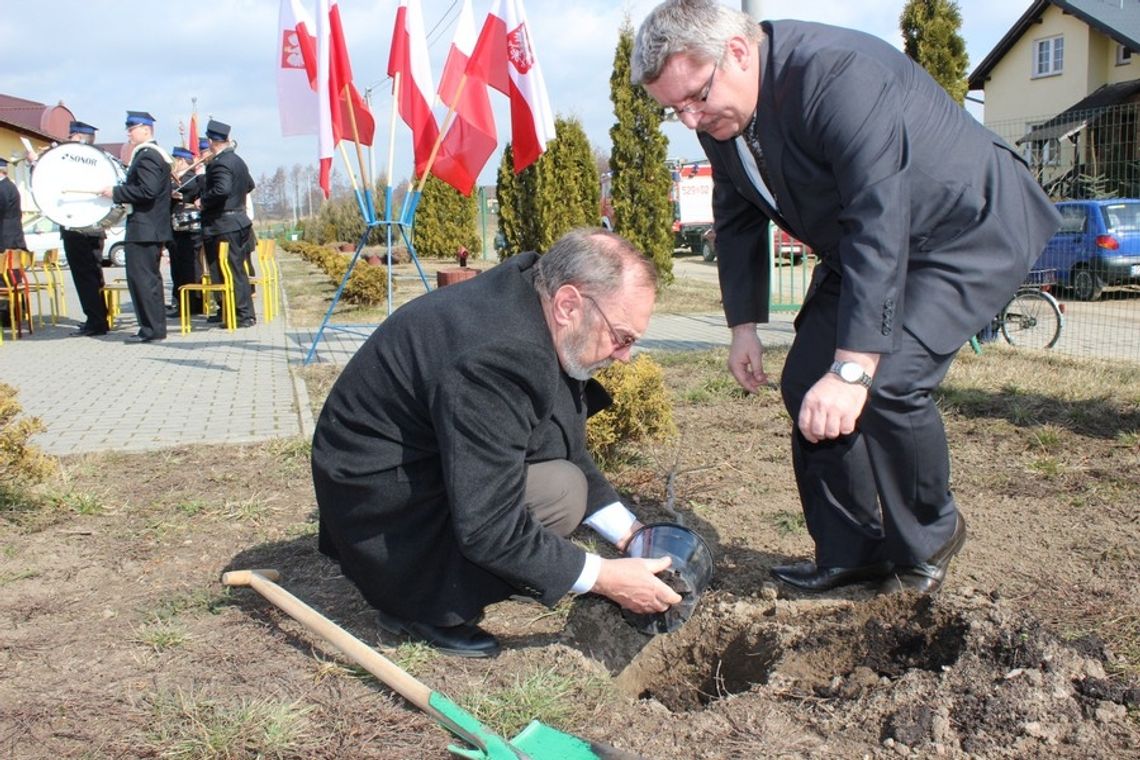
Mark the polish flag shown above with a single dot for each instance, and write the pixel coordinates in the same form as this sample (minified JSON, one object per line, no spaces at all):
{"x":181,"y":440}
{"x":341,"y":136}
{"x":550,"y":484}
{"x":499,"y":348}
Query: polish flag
{"x":409,"y":58}
{"x":340,"y":77}
{"x":504,"y":58}
{"x":471,"y":139}
{"x":296,"y":72}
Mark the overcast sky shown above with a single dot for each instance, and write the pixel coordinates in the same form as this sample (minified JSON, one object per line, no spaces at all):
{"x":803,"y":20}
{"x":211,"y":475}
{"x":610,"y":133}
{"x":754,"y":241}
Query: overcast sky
{"x":103,"y":57}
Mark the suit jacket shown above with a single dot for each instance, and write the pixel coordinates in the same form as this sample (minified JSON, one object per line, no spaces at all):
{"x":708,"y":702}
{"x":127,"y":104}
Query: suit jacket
{"x":222,"y":191}
{"x":931,"y":219}
{"x":420,"y":453}
{"x":147,"y":188}
{"x":11,"y":223}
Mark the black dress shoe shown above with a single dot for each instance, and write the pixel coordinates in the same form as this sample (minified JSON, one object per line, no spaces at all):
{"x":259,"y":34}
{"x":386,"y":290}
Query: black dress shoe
{"x":926,"y":577}
{"x":214,"y":318}
{"x":85,"y":332}
{"x":134,"y":339}
{"x":809,"y":577}
{"x":463,"y":640}
{"x":247,"y":322}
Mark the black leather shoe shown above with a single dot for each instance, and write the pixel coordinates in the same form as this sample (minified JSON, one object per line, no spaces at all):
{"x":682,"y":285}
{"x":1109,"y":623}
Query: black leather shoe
{"x":809,"y":577}
{"x":927,"y":577}
{"x":86,"y":332}
{"x":463,"y":640}
{"x":214,"y":318}
{"x":247,"y":322}
{"x":134,"y":339}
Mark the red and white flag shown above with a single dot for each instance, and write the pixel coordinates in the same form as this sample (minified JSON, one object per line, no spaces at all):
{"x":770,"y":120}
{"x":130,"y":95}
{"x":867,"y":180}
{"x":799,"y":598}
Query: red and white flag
{"x":296,"y":72}
{"x":471,"y":138}
{"x":504,"y":58}
{"x":193,"y":146}
{"x":340,"y":77}
{"x":409,"y":58}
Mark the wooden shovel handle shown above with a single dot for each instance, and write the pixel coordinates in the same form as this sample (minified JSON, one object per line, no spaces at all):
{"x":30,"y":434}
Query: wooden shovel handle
{"x":356,"y":650}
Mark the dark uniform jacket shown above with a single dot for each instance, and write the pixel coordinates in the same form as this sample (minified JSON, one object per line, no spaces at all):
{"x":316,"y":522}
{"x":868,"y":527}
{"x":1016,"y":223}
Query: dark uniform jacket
{"x":931,"y":219}
{"x":420,"y":454}
{"x":147,"y":188}
{"x":11,"y":225}
{"x":222,"y":191}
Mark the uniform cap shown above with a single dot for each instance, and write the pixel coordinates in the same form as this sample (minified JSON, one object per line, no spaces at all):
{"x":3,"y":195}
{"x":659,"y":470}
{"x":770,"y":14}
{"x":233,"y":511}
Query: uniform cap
{"x":134,"y":118}
{"x":216,"y":130}
{"x":80,"y":128}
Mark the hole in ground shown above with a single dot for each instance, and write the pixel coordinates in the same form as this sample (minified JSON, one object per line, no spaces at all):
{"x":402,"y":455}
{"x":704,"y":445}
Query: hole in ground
{"x":810,"y":649}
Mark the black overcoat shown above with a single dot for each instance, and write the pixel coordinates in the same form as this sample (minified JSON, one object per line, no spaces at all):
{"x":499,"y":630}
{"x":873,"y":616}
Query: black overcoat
{"x":11,"y":225}
{"x":147,"y":187}
{"x":420,"y":453}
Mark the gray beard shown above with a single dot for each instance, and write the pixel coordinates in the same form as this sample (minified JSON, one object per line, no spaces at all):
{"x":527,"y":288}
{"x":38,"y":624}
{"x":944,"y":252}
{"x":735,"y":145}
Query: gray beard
{"x":574,"y":348}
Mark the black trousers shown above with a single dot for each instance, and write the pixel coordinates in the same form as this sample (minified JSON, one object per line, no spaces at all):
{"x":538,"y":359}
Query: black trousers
{"x":882,"y":492}
{"x":241,"y":243}
{"x":144,"y":281}
{"x":84,"y":258}
{"x":186,"y":267}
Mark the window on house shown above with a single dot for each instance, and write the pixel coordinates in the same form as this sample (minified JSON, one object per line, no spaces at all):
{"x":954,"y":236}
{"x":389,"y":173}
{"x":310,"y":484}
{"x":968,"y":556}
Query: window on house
{"x":1048,"y":56}
{"x":1043,"y":152}
{"x":1123,"y":55}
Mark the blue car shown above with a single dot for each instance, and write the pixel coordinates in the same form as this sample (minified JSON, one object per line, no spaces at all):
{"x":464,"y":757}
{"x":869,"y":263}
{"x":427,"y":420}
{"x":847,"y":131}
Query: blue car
{"x":1098,"y":245}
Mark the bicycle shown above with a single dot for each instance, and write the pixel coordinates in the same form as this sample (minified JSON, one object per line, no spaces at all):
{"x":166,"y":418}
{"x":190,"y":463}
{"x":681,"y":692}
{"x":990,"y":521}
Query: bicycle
{"x":1031,"y":319}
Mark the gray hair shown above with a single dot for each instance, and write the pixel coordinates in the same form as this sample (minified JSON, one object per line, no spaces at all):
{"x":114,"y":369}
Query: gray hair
{"x":698,"y":28}
{"x":592,"y":259}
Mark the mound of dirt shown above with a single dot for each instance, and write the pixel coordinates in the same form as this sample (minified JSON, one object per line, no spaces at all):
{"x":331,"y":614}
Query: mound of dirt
{"x":951,"y":675}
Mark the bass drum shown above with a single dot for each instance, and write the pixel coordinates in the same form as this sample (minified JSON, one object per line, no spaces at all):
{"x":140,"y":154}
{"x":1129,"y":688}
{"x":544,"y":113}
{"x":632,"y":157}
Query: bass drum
{"x":65,"y":186}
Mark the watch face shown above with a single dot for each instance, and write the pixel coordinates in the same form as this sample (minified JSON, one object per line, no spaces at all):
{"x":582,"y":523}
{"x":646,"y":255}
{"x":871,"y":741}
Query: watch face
{"x":850,"y":371}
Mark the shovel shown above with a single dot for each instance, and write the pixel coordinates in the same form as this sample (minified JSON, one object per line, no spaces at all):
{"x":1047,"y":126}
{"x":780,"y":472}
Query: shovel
{"x":537,"y":741}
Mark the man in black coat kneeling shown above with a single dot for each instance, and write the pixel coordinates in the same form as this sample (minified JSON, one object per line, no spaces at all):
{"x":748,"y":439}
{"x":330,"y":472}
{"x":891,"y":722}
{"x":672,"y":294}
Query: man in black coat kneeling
{"x":450,"y":459}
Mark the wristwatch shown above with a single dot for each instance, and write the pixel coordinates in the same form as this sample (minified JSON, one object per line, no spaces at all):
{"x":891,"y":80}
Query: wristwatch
{"x":851,"y":372}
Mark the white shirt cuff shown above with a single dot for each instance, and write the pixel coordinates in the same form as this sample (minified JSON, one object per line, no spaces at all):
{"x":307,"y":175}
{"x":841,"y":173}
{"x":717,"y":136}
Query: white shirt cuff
{"x":589,"y":575}
{"x":612,"y":522}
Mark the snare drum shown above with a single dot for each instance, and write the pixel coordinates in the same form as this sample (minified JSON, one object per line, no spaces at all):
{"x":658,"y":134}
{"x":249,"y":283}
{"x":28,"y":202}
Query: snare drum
{"x":66,"y":183}
{"x":186,"y":220}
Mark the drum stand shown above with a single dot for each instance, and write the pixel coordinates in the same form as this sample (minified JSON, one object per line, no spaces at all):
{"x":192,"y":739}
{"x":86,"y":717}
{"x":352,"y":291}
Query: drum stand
{"x":367,"y":210}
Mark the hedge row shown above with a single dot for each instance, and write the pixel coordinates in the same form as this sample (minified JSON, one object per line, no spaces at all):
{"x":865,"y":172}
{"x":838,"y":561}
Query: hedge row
{"x":368,"y":285}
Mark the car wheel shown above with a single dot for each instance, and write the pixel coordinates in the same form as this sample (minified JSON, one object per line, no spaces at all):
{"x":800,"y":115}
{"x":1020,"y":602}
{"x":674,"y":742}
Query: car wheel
{"x":708,"y":251}
{"x":1087,"y":285}
{"x":118,"y":255}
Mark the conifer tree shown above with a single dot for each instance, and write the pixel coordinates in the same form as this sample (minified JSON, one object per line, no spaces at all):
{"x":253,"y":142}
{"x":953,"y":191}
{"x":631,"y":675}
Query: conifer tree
{"x":640,"y":179}
{"x":931,"y":37}
{"x":446,"y":220}
{"x":566,"y":180}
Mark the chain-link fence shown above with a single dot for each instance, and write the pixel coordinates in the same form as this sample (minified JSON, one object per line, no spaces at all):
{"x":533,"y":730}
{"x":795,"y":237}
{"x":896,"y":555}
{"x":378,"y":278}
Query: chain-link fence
{"x":1090,"y":155}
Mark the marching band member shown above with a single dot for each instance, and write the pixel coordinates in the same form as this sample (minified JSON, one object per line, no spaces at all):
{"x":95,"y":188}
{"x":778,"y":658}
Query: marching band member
{"x":83,"y":250}
{"x":222,"y":193}
{"x":148,"y":189}
{"x":185,"y":268}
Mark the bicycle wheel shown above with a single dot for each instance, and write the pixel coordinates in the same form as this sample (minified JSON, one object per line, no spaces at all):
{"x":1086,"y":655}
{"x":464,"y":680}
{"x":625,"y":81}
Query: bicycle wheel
{"x":1032,"y":319}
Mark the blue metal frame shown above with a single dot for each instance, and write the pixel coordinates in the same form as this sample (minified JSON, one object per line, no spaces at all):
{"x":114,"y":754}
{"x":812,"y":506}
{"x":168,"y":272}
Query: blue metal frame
{"x":367,"y":211}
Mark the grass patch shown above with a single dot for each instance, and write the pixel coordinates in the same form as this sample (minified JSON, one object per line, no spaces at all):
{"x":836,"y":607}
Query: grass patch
{"x":18,"y":575}
{"x":200,"y":600}
{"x":546,"y":695}
{"x":789,"y":523}
{"x":185,"y":725}
{"x":689,"y":296}
{"x":161,"y":635}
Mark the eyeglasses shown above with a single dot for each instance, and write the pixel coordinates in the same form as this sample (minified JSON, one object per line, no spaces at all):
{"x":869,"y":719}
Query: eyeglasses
{"x":620,"y":341}
{"x":696,"y":104}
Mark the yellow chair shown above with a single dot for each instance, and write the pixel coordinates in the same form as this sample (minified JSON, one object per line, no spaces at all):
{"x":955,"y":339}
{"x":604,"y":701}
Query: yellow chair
{"x":269,"y":280}
{"x":205,"y":287}
{"x":17,"y":292}
{"x":55,"y":273}
{"x":111,"y":293}
{"x":40,"y":282}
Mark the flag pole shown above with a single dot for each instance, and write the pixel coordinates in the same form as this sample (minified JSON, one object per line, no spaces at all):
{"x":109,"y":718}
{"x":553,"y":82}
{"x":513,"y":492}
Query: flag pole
{"x":364,"y":202}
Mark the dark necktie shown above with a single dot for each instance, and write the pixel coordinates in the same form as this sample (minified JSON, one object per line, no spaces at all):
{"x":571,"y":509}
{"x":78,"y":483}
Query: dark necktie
{"x":753,"y":141}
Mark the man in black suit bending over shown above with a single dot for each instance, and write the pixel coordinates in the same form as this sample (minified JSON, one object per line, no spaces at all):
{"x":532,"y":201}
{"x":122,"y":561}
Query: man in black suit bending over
{"x":450,"y":459}
{"x":924,"y":223}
